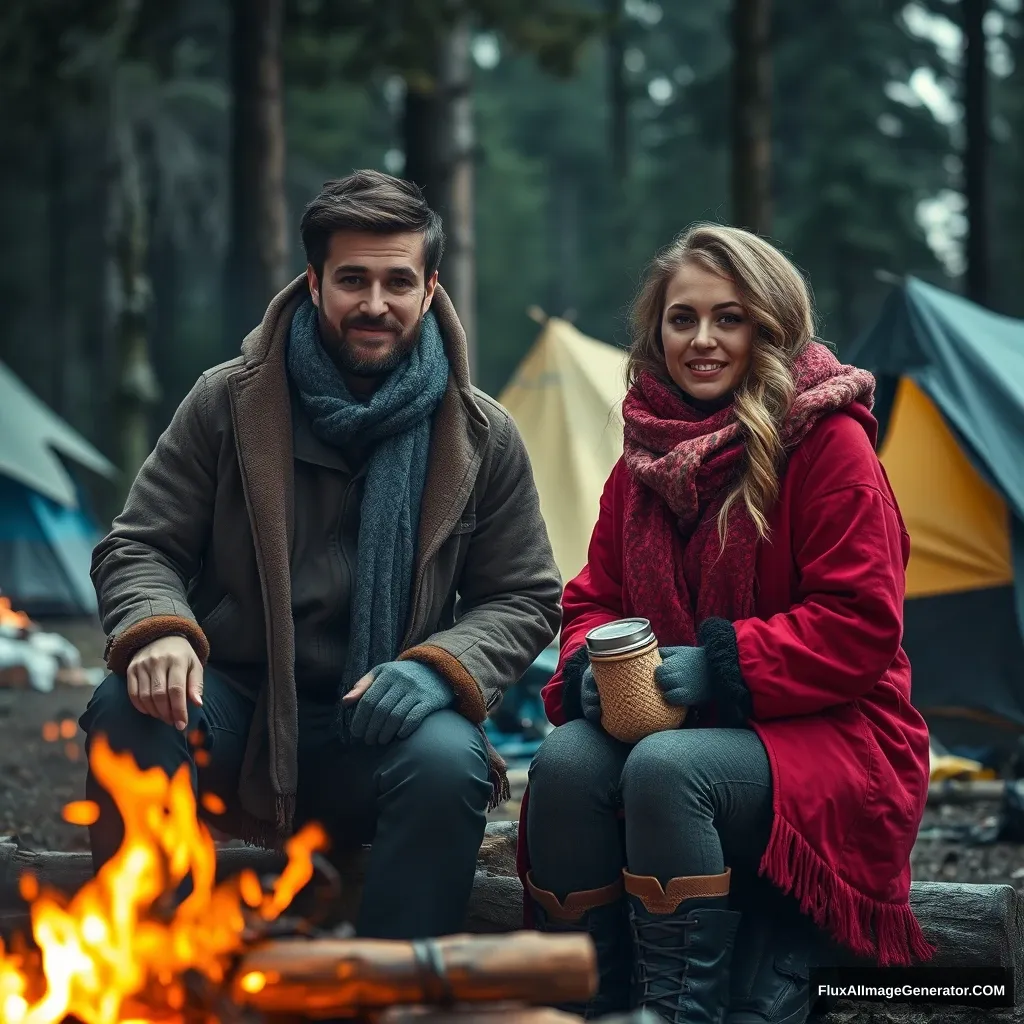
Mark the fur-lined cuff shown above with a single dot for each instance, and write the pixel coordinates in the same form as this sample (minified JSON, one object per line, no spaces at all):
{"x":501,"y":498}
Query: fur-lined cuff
{"x":718,"y":638}
{"x":123,"y":647}
{"x":572,"y":683}
{"x":469,"y":699}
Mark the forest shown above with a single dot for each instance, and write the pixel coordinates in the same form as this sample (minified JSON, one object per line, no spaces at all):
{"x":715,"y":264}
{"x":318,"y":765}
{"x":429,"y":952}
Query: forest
{"x":157,"y":155}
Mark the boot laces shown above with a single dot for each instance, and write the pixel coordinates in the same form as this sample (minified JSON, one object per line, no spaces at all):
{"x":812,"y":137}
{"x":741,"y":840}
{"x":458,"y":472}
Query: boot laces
{"x":662,"y":962}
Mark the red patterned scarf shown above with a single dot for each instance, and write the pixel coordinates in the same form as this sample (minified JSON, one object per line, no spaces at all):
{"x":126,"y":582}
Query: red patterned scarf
{"x":682,"y":466}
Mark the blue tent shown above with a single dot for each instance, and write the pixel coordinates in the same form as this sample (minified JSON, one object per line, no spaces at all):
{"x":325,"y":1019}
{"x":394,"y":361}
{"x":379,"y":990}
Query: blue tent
{"x":951,"y":414}
{"x":47,"y":532}
{"x":45,"y":550}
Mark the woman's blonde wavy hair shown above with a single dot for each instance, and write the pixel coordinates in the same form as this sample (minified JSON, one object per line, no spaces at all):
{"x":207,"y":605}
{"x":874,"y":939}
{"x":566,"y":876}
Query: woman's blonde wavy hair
{"x":778,"y":301}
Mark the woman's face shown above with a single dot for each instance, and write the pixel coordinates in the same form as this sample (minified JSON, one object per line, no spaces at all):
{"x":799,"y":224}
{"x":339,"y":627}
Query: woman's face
{"x":706,"y":333}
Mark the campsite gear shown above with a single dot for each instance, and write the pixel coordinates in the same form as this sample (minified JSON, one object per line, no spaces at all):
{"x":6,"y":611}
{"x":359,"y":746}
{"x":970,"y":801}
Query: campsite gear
{"x":41,"y":658}
{"x":951,"y":427}
{"x":394,"y":705}
{"x":396,"y":423}
{"x":683,"y":676}
{"x":566,"y":398}
{"x":47,"y":531}
{"x":231,"y":443}
{"x":683,"y":938}
{"x":623,"y":657}
{"x":601,"y":913}
{"x":826,"y":674}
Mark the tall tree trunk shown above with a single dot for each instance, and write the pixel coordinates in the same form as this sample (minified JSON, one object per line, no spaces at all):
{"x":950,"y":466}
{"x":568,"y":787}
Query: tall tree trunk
{"x":459,"y":161}
{"x":618,"y":94}
{"x":565,"y":221}
{"x":751,"y":115}
{"x":137,"y":390}
{"x":976,"y":88}
{"x":439,"y":142}
{"x":257,"y":262}
{"x":59,"y":226}
{"x":421,"y":133}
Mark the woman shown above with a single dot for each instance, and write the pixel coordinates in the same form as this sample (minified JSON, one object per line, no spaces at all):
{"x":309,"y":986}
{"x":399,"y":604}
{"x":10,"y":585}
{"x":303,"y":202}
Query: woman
{"x":751,"y":522}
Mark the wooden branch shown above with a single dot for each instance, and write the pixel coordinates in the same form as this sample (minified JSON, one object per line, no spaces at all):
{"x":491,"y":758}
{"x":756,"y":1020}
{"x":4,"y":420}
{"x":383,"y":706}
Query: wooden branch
{"x":334,"y":977}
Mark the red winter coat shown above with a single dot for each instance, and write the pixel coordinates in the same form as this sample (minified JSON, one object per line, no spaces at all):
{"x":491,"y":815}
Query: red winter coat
{"x":829,"y":684}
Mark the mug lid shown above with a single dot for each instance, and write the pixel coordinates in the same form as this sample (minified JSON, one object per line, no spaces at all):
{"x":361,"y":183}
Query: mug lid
{"x":619,"y":636}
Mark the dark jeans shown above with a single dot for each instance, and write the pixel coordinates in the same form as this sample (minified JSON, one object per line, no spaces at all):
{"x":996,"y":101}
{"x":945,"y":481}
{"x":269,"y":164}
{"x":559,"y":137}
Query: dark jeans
{"x":421,"y":801}
{"x":678,"y":803}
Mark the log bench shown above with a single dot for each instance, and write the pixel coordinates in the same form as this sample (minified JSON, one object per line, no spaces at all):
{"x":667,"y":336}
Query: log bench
{"x":971,"y":925}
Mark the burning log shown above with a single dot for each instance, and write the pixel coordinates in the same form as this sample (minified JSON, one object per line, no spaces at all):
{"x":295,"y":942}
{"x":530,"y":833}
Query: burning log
{"x":323,"y":978}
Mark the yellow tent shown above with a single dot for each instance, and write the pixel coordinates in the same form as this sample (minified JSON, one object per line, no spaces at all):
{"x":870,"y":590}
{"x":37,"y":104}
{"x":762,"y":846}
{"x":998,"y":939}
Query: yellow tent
{"x":566,"y":399}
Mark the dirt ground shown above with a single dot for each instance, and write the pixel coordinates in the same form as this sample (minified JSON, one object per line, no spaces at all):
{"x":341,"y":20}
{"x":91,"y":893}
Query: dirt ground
{"x":42,"y":767}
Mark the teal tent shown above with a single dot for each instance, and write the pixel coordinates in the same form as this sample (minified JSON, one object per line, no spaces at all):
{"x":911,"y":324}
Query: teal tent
{"x":950,"y":406}
{"x":47,"y":532}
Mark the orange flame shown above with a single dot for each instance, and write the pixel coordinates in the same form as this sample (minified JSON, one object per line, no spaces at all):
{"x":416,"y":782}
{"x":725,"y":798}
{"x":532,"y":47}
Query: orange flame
{"x":9,"y":617}
{"x":112,"y":952}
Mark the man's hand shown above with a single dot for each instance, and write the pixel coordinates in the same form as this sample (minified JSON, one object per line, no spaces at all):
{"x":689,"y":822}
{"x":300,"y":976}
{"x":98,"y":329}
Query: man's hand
{"x":162,"y":677}
{"x":392,"y":700}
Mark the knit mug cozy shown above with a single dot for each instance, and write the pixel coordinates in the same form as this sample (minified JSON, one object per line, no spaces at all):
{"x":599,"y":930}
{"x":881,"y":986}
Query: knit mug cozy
{"x":623,"y":657}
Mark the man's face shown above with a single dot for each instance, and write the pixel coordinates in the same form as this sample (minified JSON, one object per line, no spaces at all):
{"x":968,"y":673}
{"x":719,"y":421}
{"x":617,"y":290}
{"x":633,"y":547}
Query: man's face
{"x":371,"y":300}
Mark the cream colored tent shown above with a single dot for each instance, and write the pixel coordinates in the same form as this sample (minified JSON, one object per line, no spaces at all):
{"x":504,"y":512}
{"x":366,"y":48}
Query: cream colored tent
{"x":566,"y":399}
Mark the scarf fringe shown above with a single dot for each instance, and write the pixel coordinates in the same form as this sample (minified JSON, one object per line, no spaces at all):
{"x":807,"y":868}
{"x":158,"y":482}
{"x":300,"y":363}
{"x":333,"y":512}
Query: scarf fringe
{"x":500,"y":789}
{"x":889,"y":933}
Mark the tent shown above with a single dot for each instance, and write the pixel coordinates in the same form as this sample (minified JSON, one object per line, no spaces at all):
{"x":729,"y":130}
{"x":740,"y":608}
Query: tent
{"x":566,"y":398}
{"x":951,"y":411}
{"x":46,"y":530}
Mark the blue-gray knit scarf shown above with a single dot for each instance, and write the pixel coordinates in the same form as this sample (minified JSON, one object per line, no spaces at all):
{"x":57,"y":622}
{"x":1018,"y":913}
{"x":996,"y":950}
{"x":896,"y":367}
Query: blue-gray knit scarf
{"x":398,"y":419}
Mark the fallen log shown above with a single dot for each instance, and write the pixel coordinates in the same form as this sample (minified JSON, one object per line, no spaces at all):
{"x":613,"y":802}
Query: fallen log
{"x":971,"y":925}
{"x":327,"y":978}
{"x":68,"y":872}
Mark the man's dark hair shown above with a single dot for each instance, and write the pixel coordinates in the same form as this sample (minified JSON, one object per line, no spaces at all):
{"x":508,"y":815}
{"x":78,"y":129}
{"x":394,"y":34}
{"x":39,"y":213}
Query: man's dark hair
{"x":370,"y":200}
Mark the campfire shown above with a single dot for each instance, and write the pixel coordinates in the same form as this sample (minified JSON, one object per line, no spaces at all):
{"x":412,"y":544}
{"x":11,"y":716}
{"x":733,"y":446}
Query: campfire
{"x":12,"y":619}
{"x":120,"y":949}
{"x":129,"y":947}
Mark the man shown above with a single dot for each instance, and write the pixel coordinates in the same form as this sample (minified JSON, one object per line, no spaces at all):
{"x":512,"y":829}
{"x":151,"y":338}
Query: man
{"x":330,"y":567}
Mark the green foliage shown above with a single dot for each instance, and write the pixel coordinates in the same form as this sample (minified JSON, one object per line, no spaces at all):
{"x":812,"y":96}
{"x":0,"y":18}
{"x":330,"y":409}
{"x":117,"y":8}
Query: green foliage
{"x":853,"y":160}
{"x":403,"y":35}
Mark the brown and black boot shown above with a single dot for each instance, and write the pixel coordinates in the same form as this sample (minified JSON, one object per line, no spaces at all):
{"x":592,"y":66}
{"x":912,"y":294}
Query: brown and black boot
{"x":601,"y":913}
{"x":683,"y":937}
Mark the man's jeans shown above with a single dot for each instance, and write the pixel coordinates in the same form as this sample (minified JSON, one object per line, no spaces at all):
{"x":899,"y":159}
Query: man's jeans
{"x":421,"y":801}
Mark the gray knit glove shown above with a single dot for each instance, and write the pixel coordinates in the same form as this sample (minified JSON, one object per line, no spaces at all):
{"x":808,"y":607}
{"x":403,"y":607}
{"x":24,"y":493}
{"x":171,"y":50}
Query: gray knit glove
{"x":400,"y":697}
{"x":683,"y":676}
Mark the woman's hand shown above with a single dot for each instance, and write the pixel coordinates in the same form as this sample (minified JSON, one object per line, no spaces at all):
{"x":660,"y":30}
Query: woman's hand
{"x":590,"y":699}
{"x":683,"y":676}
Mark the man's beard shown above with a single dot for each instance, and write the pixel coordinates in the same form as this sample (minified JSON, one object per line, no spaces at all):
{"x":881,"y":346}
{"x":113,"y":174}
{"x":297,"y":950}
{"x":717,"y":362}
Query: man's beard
{"x":344,"y":355}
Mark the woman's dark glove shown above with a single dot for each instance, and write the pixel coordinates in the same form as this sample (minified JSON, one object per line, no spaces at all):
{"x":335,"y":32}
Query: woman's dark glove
{"x":683,"y":676}
{"x":590,"y":699}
